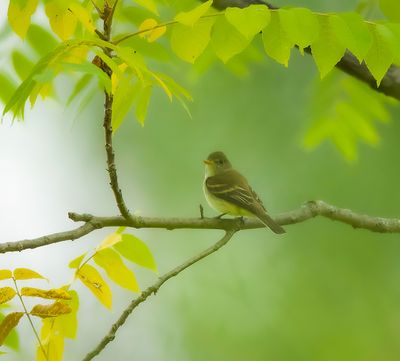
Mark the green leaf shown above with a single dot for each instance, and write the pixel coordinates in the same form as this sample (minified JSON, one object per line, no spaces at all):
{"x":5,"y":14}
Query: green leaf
{"x":358,"y":39}
{"x":382,"y":52}
{"x":276,"y":43}
{"x":189,"y":42}
{"x":249,"y":20}
{"x":226,"y":40}
{"x":22,"y":64}
{"x":7,"y":88}
{"x":149,"y":5}
{"x":80,"y":85}
{"x":89,"y":68}
{"x":112,"y":263}
{"x":19,"y":15}
{"x":143,"y":103}
{"x":40,"y":40}
{"x":135,"y":250}
{"x":300,"y":25}
{"x":189,"y":18}
{"x":391,"y":9}
{"x":327,"y":49}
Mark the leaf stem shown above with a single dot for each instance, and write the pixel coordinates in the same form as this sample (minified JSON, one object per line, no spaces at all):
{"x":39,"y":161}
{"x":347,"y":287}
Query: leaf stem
{"x":30,"y":319}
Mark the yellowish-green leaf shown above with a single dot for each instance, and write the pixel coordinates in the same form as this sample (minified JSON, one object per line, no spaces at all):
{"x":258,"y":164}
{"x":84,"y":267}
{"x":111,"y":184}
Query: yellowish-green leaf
{"x":358,"y":38}
{"x":151,"y":30}
{"x":382,"y":52}
{"x":67,"y":325}
{"x":51,"y":340}
{"x":391,"y":9}
{"x":19,"y":15}
{"x":6,"y":294}
{"x":53,"y":310}
{"x":109,"y":241}
{"x":300,"y":25}
{"x":55,"y":293}
{"x":92,"y":279}
{"x":161,"y":83}
{"x":22,"y":64}
{"x":135,"y":250}
{"x":125,"y":95}
{"x":75,"y":263}
{"x":250,"y":20}
{"x":62,"y":20}
{"x":5,"y":274}
{"x":149,"y":5}
{"x":83,"y":15}
{"x":189,"y":18}
{"x":226,"y":40}
{"x":143,"y":104}
{"x":26,"y":274}
{"x":276,"y":43}
{"x":189,"y":42}
{"x":327,"y":49}
{"x":8,"y":324}
{"x":116,"y":269}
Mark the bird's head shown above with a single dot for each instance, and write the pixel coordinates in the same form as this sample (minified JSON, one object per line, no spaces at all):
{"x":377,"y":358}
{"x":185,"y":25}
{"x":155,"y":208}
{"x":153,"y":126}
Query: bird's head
{"x":216,"y":162}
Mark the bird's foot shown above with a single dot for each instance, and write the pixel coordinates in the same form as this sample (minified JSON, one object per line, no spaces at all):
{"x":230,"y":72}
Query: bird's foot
{"x":201,"y":212}
{"x":220,"y":216}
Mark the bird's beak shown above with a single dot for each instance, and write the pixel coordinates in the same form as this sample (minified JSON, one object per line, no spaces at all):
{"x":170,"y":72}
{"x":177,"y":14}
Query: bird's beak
{"x":208,"y":162}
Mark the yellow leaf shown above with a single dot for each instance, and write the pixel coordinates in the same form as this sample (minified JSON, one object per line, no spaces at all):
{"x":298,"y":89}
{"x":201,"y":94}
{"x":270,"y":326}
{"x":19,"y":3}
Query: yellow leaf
{"x":52,"y":342}
{"x":19,"y":15}
{"x":83,"y":15}
{"x":109,"y":241}
{"x":112,"y":263}
{"x":151,"y":30}
{"x":57,"y":293}
{"x":53,"y":310}
{"x":9,"y":322}
{"x":75,"y":263}
{"x":115,"y":78}
{"x":26,"y":274}
{"x":77,"y":55}
{"x":6,"y":294}
{"x":62,"y":20}
{"x":92,"y":279}
{"x":5,"y":274}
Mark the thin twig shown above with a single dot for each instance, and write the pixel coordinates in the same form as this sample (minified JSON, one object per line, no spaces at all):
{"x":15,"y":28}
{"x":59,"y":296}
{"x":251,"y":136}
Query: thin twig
{"x":153,"y":290}
{"x":107,"y":123}
{"x":304,"y":213}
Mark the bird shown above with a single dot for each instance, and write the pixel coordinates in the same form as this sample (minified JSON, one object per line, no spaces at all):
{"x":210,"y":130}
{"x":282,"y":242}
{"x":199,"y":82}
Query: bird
{"x":228,"y":192}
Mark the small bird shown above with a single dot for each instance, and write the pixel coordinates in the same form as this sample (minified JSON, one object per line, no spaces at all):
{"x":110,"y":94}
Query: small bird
{"x":227,"y":191}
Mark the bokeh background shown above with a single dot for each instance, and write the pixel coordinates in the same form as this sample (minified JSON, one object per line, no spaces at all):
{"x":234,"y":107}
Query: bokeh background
{"x":322,"y":292}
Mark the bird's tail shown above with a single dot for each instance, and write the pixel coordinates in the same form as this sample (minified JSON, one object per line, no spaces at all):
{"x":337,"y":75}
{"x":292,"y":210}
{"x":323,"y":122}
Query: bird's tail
{"x":270,"y":223}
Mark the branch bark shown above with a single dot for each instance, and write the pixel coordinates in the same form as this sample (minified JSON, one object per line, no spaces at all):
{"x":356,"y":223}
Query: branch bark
{"x":349,"y":64}
{"x":304,"y":213}
{"x":153,"y":290}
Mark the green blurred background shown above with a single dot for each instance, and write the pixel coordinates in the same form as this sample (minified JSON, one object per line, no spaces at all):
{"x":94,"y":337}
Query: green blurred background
{"x":322,"y":292}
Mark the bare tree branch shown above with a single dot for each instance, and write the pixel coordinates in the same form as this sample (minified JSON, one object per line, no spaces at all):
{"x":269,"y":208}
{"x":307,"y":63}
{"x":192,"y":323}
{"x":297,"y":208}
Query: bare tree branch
{"x":153,"y":290}
{"x":390,"y":84}
{"x":305,"y":212}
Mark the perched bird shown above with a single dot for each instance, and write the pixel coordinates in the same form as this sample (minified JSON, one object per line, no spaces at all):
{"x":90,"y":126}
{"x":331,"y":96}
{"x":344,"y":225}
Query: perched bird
{"x":227,"y":191}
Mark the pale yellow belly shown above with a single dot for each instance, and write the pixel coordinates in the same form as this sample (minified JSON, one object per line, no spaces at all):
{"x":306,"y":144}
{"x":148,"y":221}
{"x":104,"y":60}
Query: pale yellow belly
{"x":224,"y":207}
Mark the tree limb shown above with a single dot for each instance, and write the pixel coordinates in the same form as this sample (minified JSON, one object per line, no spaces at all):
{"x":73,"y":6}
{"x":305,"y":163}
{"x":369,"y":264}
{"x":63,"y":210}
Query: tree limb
{"x":153,"y":290}
{"x":305,"y":212}
{"x":390,"y":84}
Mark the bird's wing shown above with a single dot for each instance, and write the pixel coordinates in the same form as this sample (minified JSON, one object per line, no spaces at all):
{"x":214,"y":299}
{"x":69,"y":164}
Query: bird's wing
{"x":232,"y":187}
